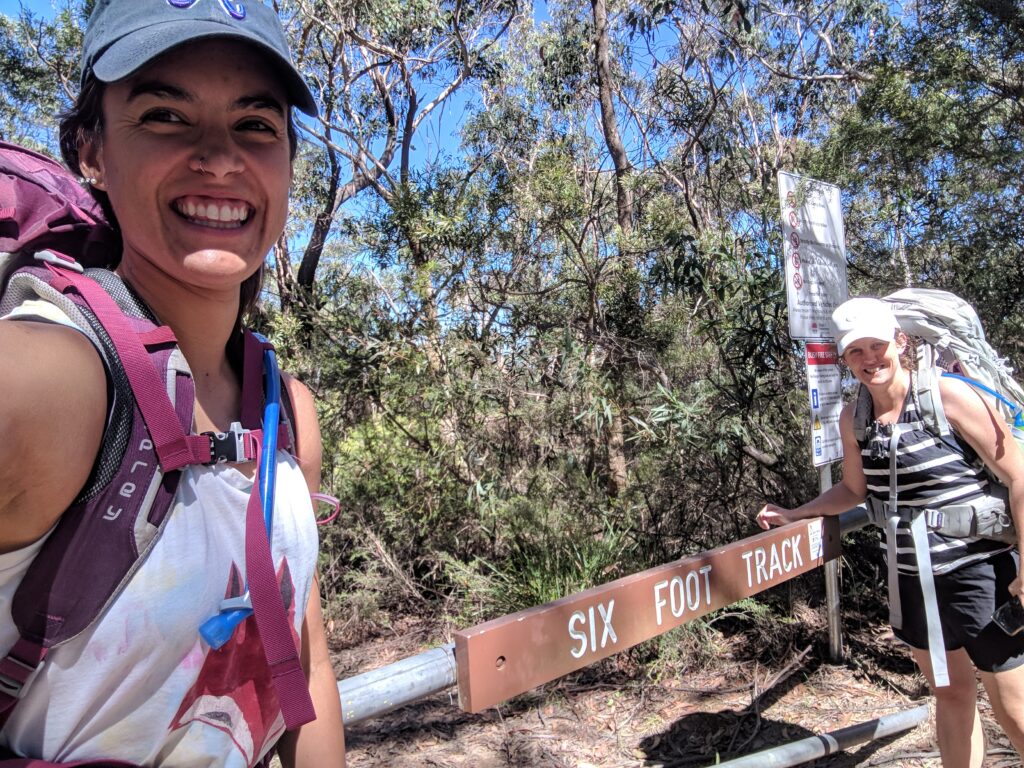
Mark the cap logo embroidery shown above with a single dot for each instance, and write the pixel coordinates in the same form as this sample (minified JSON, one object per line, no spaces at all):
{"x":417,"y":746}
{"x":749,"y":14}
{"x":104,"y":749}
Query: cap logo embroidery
{"x":234,"y":10}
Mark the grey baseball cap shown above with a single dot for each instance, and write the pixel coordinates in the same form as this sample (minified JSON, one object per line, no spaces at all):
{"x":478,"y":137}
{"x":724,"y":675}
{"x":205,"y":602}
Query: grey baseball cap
{"x":124,"y":35}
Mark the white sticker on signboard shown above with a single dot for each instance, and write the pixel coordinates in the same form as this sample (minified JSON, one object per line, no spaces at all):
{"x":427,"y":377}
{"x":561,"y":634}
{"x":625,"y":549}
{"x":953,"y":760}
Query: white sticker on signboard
{"x":825,"y":396}
{"x":814,"y":540}
{"x":815,"y":253}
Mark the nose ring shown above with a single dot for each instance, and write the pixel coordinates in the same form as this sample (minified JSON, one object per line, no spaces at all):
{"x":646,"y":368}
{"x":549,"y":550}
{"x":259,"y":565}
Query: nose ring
{"x":202,"y":170}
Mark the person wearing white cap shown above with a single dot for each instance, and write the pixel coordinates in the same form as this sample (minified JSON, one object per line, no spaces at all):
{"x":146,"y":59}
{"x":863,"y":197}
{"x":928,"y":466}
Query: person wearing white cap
{"x":183,"y":132}
{"x":967,"y":578}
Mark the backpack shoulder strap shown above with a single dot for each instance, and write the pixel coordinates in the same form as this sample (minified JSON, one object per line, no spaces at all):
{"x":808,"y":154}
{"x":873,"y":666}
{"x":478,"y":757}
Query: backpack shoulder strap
{"x":862,"y":413}
{"x":288,"y":418}
{"x":253,"y":393}
{"x":924,"y":384}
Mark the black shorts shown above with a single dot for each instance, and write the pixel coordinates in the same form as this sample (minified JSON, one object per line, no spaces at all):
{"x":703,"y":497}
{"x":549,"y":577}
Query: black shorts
{"x":967,"y":598}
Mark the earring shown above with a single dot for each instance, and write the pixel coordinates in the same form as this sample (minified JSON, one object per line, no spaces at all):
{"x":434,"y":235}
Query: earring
{"x":90,"y":180}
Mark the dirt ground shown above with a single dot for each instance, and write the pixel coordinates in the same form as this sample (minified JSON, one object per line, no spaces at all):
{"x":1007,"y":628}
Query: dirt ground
{"x":755,"y":692}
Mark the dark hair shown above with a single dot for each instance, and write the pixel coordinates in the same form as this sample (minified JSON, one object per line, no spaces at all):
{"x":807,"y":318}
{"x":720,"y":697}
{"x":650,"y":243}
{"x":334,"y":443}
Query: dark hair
{"x":908,"y":358}
{"x":83,"y":122}
{"x":80,"y":123}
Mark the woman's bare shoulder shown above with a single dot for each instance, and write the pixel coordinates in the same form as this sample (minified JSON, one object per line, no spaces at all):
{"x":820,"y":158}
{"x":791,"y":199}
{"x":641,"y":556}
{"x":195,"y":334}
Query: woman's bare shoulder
{"x":962,"y":401}
{"x":52,"y":413}
{"x":309,"y":448}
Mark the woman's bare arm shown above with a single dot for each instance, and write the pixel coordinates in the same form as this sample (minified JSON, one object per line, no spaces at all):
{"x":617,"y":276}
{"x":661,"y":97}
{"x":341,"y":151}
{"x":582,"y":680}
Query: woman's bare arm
{"x":52,"y":414}
{"x":977,"y":420}
{"x":322,"y":742}
{"x":847,"y":494}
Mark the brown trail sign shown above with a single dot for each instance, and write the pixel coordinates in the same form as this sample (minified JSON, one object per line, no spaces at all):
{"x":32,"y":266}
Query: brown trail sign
{"x":510,"y":655}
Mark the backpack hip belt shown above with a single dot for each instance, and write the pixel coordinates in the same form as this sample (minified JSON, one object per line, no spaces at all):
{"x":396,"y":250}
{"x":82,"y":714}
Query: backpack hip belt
{"x":987,"y":517}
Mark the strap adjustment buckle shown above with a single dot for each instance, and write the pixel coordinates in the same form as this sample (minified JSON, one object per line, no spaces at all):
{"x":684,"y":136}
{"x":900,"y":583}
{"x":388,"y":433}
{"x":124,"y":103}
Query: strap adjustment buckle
{"x":228,"y":447}
{"x":15,"y":674}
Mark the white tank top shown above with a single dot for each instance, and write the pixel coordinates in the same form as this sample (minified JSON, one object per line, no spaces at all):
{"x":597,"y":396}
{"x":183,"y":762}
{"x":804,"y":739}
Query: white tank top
{"x":139,"y":684}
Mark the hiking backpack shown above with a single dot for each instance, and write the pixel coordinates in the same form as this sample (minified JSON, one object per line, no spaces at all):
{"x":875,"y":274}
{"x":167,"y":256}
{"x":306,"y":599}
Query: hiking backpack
{"x":952,"y":343}
{"x":955,"y":343}
{"x":55,"y":245}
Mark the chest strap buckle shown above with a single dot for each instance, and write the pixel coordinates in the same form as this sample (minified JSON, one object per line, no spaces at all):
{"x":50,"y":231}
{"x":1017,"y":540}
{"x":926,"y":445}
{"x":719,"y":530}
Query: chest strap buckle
{"x":229,"y":447}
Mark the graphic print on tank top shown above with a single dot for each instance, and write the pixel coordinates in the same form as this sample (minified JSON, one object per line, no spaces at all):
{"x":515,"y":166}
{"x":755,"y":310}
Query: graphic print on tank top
{"x":234,"y":691}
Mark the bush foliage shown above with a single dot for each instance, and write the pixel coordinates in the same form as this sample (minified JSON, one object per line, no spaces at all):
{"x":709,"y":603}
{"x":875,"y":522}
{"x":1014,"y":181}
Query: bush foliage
{"x":533,"y":268}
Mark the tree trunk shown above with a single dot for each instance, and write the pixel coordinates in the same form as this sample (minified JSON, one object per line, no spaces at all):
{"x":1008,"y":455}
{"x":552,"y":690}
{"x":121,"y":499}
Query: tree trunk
{"x":321,"y":226}
{"x":618,"y":478}
{"x":623,"y":195}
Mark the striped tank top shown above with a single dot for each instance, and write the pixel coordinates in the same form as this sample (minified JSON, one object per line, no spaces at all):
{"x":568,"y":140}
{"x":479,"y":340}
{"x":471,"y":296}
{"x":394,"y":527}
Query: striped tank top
{"x":930,"y":471}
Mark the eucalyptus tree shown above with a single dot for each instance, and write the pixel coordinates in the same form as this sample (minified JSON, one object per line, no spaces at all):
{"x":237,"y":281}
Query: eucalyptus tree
{"x":38,"y":73}
{"x":731,"y":94}
{"x":383,"y":69}
{"x":657,"y":130}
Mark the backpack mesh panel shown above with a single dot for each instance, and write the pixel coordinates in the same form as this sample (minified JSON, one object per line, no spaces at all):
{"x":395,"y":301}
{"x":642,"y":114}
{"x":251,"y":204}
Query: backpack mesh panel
{"x":126,"y":298}
{"x":119,"y":428}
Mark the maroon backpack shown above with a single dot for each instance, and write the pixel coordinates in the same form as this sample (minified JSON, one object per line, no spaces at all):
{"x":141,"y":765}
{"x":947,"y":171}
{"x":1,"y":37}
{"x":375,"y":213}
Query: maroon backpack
{"x":50,"y":230}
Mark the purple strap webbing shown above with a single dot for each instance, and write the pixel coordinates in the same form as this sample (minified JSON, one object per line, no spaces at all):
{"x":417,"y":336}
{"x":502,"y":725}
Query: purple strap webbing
{"x":169,"y":440}
{"x":156,"y":336}
{"x":268,"y":606}
{"x":252,"y":381}
{"x":272,"y":618}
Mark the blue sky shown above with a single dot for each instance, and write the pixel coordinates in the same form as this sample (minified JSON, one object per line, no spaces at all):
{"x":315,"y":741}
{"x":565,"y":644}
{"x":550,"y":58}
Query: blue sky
{"x":11,"y":7}
{"x":438,"y":135}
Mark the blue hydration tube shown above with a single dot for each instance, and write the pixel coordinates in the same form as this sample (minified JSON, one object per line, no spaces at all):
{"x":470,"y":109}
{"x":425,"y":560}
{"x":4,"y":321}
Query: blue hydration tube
{"x":1015,"y":409}
{"x":218,"y":629}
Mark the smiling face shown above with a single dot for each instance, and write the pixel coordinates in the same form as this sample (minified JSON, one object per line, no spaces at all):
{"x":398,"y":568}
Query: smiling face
{"x":875,"y":361}
{"x":194,"y":156}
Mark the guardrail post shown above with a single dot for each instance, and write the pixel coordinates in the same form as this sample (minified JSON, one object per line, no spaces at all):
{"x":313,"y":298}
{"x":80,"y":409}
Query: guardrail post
{"x":381,"y":690}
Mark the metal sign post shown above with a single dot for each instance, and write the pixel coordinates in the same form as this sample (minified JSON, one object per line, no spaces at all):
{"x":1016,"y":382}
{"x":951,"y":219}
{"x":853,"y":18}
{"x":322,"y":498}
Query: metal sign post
{"x":507,"y":656}
{"x":815,"y":267}
{"x":832,"y":585}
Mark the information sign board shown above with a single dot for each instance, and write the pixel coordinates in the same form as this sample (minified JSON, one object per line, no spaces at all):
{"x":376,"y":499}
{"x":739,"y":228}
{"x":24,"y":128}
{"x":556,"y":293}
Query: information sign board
{"x":825,"y":395}
{"x":815,"y":254}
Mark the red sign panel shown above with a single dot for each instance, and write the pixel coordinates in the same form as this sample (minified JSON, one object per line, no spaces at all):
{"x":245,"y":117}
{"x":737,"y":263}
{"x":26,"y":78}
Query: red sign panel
{"x":822,"y":353}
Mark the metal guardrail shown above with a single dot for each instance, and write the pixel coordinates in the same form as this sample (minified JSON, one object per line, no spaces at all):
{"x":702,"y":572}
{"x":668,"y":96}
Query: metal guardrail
{"x":813,"y":747}
{"x":382,"y":690}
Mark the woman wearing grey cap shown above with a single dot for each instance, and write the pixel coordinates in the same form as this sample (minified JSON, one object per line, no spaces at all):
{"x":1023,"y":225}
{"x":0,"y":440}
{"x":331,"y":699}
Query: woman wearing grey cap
{"x":183,"y":130}
{"x":943,"y":589}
